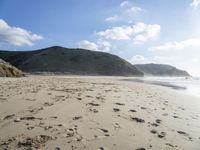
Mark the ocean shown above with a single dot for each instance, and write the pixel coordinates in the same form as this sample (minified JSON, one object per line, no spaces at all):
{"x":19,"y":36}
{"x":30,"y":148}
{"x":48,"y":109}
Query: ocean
{"x":186,"y":85}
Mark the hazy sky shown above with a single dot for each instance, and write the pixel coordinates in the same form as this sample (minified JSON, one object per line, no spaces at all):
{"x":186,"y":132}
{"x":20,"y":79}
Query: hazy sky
{"x":140,"y":31}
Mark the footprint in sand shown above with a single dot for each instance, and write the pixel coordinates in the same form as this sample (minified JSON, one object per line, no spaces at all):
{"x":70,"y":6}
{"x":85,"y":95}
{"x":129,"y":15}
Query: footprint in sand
{"x":79,"y":98}
{"x":170,"y":145}
{"x":153,"y":131}
{"x":116,"y":109}
{"x":154,"y":124}
{"x":143,"y":108}
{"x":120,"y":104}
{"x":105,"y":131}
{"x":102,"y":148}
{"x":93,"y":104}
{"x":161,"y":134}
{"x":176,"y":117}
{"x":158,"y":121}
{"x":165,"y":114}
{"x":185,"y":134}
{"x":48,"y":104}
{"x":93,"y":110}
{"x":116,"y":126}
{"x":140,"y":149}
{"x":132,"y":110}
{"x":8,"y":117}
{"x":139,"y":120}
{"x":77,"y":117}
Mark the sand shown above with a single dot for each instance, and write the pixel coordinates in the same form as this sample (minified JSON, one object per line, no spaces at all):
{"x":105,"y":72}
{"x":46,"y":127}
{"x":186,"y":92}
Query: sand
{"x":95,"y":113}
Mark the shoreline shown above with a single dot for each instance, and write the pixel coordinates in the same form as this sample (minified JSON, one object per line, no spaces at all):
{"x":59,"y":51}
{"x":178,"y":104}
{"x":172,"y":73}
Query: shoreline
{"x":165,"y":84}
{"x":80,"y":112}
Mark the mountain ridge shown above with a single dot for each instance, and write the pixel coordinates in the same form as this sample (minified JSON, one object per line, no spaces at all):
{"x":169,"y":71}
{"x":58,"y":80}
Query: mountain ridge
{"x":70,"y":61}
{"x":153,"y":69}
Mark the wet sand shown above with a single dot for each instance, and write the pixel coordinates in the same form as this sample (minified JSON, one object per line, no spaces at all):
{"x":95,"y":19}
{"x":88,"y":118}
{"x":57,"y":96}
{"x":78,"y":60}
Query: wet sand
{"x":95,"y":113}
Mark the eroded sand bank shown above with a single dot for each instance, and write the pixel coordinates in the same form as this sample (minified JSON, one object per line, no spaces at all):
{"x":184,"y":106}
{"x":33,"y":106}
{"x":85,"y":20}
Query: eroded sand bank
{"x":68,"y":113}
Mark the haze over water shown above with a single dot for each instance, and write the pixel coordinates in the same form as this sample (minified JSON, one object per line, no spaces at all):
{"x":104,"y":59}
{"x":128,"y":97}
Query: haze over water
{"x":189,"y":86}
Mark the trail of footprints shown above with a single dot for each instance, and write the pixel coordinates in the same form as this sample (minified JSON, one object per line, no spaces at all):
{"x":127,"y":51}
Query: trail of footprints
{"x":21,"y":141}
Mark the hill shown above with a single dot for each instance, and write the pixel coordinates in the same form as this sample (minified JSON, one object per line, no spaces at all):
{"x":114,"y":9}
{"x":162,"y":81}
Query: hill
{"x":71,"y":61}
{"x":7,"y":70}
{"x":161,"y":70}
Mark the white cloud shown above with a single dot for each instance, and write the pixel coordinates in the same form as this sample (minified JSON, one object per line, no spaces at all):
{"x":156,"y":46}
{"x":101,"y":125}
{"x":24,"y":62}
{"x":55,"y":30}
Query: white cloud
{"x":195,"y":42}
{"x":160,"y":57}
{"x":87,"y":45}
{"x":16,"y":36}
{"x":104,"y":46}
{"x":134,"y":9}
{"x":125,"y":3}
{"x":195,"y":3}
{"x":112,"y":18}
{"x":139,"y":32}
{"x":127,"y":11}
{"x":100,"y":45}
{"x":140,"y":59}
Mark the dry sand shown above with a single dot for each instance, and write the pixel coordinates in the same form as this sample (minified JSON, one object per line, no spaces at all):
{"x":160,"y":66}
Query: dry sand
{"x":105,"y":113}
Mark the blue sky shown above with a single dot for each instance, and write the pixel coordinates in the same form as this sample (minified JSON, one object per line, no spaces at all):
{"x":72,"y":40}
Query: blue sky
{"x":140,"y":31}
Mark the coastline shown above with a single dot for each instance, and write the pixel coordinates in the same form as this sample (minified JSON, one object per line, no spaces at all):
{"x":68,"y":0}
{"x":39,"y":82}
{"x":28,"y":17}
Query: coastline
{"x":75,"y":112}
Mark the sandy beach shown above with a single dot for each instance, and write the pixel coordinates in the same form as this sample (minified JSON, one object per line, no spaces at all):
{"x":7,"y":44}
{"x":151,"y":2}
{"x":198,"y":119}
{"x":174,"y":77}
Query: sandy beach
{"x":95,"y":113}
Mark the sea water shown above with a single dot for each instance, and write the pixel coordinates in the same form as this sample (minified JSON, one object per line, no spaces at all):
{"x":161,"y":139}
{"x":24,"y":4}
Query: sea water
{"x":187,"y":85}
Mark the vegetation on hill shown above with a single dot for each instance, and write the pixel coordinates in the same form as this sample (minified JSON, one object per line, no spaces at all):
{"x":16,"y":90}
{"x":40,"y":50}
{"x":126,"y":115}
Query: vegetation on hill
{"x":161,"y":70}
{"x":71,"y":61}
{"x":7,"y":70}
